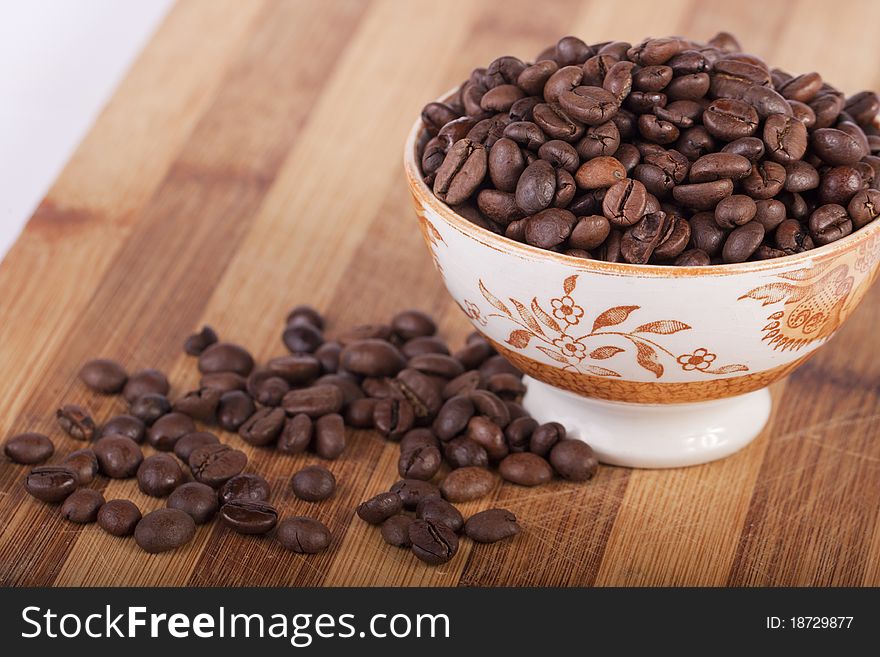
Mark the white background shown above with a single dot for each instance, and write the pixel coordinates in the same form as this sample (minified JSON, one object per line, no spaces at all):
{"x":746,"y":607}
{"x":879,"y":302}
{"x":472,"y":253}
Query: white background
{"x":60,"y":61}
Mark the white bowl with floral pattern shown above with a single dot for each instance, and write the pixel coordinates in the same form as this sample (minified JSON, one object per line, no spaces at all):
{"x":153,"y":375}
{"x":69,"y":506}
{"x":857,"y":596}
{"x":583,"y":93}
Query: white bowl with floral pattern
{"x":654,"y":366}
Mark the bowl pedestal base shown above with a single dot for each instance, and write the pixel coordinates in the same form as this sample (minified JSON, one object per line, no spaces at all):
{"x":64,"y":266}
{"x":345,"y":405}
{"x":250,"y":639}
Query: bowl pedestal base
{"x":653,"y":435}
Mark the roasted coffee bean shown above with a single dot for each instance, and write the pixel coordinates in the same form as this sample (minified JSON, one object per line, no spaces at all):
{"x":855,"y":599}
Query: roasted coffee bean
{"x":785,"y":138}
{"x":248,"y":486}
{"x":706,"y":235}
{"x":119,"y":517}
{"x":196,"y":343}
{"x":188,"y":443}
{"x":729,"y":119}
{"x":379,"y":508}
{"x":437,"y":510}
{"x":675,"y":239}
{"x":588,"y":104}
{"x":330,"y":436}
{"x":372,"y":358}
{"x":410,"y":324}
{"x":411,"y":491}
{"x":359,"y":413}
{"x":765,"y":181}
{"x":864,"y":207}
{"x":549,"y":228}
{"x":168,"y":429}
{"x":463,"y":452}
{"x":453,"y":417}
{"x":464,"y":384}
{"x":505,"y":385}
{"x":499,"y":206}
{"x":302,"y":338}
{"x":803,"y":87}
{"x":839,"y":184}
{"x":159,"y":474}
{"x":150,"y":407}
{"x":308,"y":314}
{"x":144,"y":382}
{"x":519,"y":432}
{"x":533,"y":78}
{"x":836,"y":147}
{"x":104,"y":376}
{"x":263,"y":427}
{"x":198,"y":404}
{"x":800,"y":176}
{"x":51,"y":483}
{"x":346,"y":383}
{"x":750,"y":148}
{"x":436,"y":115}
{"x":315,"y":401}
{"x":327,"y":357}
{"x":639,"y":241}
{"x":249,"y":517}
{"x":303,"y":535}
{"x":625,"y":202}
{"x":488,"y":404}
{"x":395,"y":530}
{"x":693,"y":258}
{"x":589,"y":232}
{"x":419,"y":462}
{"x":525,"y":469}
{"x":544,"y":437}
{"x":467,"y":484}
{"x":226,"y":357}
{"x":29,"y":448}
{"x":601,"y":140}
{"x":313,"y":483}
{"x":703,"y":196}
{"x":266,"y":388}
{"x":770,"y":213}
{"x":829,"y":223}
{"x":197,"y":500}
{"x":223,"y":382}
{"x":124,"y":425}
{"x":720,"y":165}
{"x":803,"y":113}
{"x":564,"y":79}
{"x":491,"y":526}
{"x":419,"y":437}
{"x":791,"y":237}
{"x":118,"y":457}
{"x":296,"y":436}
{"x":84,"y":463}
{"x":767,"y":102}
{"x":440,"y":365}
{"x":424,"y":345}
{"x":76,"y":422}
{"x":393,"y":417}
{"x":505,"y":164}
{"x":735,"y":211}
{"x":742,"y":242}
{"x":164,"y":529}
{"x":432,"y":542}
{"x":214,"y":465}
{"x":536,"y":187}
{"x":556,"y":122}
{"x":560,"y":155}
{"x":82,"y":506}
{"x":488,"y":435}
{"x":526,"y":134}
{"x":421,"y":391}
{"x":826,"y":108}
{"x":600,"y":172}
{"x":462,"y":171}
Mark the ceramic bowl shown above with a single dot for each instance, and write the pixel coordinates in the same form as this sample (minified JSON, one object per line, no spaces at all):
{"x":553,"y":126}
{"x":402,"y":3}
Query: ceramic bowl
{"x":654,"y":366}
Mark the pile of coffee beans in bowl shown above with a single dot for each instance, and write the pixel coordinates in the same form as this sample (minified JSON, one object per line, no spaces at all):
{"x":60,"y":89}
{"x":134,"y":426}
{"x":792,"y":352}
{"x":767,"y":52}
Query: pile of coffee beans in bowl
{"x":668,"y":152}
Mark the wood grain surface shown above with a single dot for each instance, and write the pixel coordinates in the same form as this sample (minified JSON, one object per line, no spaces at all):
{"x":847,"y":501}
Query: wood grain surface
{"x":251,"y":160}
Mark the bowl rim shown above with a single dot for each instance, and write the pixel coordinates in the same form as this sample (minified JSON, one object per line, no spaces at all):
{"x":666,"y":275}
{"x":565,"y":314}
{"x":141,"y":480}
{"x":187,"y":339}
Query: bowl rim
{"x":424,"y":195}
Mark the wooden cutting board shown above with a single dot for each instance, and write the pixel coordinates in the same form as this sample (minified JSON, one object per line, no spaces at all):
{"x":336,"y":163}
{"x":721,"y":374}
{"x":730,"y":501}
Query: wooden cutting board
{"x":251,"y":160}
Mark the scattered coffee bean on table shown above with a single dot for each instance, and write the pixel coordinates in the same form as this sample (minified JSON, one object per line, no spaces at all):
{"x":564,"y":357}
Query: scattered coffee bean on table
{"x":119,"y":517}
{"x":164,"y":529}
{"x":249,"y":486}
{"x":654,"y":153}
{"x":196,"y":499}
{"x":303,"y":535}
{"x":159,"y":475}
{"x":249,"y":517}
{"x":104,"y":376}
{"x":313,"y":483}
{"x":491,"y":525}
{"x":84,"y":464}
{"x":82,"y":506}
{"x":51,"y":483}
{"x":29,"y":448}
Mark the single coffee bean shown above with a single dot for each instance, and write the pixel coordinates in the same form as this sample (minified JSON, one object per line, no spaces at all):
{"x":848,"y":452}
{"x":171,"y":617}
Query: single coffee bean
{"x":118,"y":457}
{"x":590,"y":232}
{"x":839,"y":184}
{"x":164,"y":529}
{"x":729,"y":119}
{"x":419,"y":463}
{"x":536,"y":187}
{"x":505,"y":164}
{"x":800,"y":176}
{"x":803,"y":87}
{"x":119,"y":517}
{"x":168,"y":429}
{"x":305,"y":314}
{"x":411,"y":491}
{"x":491,"y":526}
{"x":248,"y":486}
{"x":302,"y":338}
{"x":557,"y":123}
{"x":197,"y":500}
{"x":395,"y":530}
{"x":418,"y":438}
{"x":467,"y":484}
{"x":359,"y":413}
{"x":296,"y":436}
{"x":76,"y":422}
{"x":602,"y":140}
{"x":765,"y":181}
{"x":549,"y":228}
{"x":703,"y":196}
{"x":735,"y":211}
{"x":488,"y":435}
{"x":767,"y":102}
{"x":462,"y":171}
{"x":104,"y":376}
{"x":422,"y":391}
{"x":124,"y":425}
{"x":233,"y":409}
{"x":196,"y":343}
{"x":248,"y":517}
{"x":84,"y":464}
{"x":51,"y":483}
{"x":314,"y":401}
{"x":437,"y":365}
{"x":439,"y":511}
{"x":791,"y":237}
{"x":836,"y":147}
{"x":313,"y":484}
{"x":410,"y":324}
{"x":226,"y":357}
{"x":144,"y":382}
{"x":519,"y":432}
{"x":29,"y":448}
{"x":590,"y":105}
{"x":706,"y":235}
{"x":600,"y":172}
{"x":330,"y":436}
{"x":525,"y":469}
{"x":544,"y":437}
{"x":266,"y":388}
{"x":327,"y":356}
{"x":489,"y":404}
{"x":463,"y":452}
{"x":379,"y":508}
{"x":303,"y":535}
{"x":223,"y":382}
{"x":372,"y":357}
{"x":467,"y":382}
{"x":198,"y":404}
{"x":742,"y":242}
{"x":263,"y":427}
{"x":432,"y":542}
{"x":82,"y":506}
{"x":829,"y":223}
{"x":639,"y":241}
{"x":150,"y":407}
{"x":188,"y":443}
{"x":625,"y":202}
{"x":393,"y":417}
{"x":159,"y":474}
{"x":864,"y":207}
{"x":719,"y":165}
{"x":505,"y":385}
{"x":693,"y":258}
{"x":424,"y":345}
{"x":750,"y":148}
{"x":526,"y":134}
{"x":785,"y":138}
{"x":214,"y":465}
